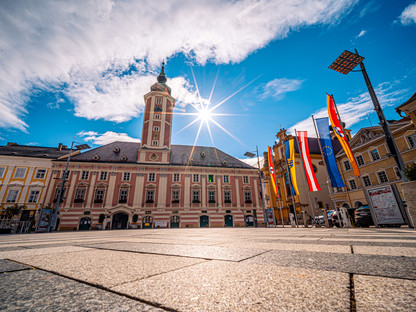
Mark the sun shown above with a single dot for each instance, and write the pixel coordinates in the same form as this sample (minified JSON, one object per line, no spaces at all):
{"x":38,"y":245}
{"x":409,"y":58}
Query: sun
{"x":205,"y":114}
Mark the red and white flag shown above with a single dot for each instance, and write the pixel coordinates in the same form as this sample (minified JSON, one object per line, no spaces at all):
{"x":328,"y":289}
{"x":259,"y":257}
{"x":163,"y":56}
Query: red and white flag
{"x":307,"y":164}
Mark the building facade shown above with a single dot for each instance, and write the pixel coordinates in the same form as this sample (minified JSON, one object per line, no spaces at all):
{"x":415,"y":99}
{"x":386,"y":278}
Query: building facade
{"x":153,"y":183}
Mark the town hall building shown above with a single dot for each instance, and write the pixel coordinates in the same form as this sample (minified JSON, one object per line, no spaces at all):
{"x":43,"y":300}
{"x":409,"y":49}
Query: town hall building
{"x":153,"y":183}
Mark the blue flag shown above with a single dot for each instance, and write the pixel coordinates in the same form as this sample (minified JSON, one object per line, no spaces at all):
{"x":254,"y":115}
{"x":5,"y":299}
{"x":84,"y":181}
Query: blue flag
{"x":289,"y":166}
{"x":327,"y":150}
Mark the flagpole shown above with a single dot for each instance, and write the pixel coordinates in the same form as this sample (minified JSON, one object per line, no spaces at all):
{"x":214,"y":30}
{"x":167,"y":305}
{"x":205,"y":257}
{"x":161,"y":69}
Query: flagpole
{"x":290,"y":186}
{"x":304,"y":172}
{"x":363,"y":187}
{"x":328,"y":180}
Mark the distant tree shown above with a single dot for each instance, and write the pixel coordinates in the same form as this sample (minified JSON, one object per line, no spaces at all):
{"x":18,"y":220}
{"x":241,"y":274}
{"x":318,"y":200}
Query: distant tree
{"x":14,"y":210}
{"x":410,"y":172}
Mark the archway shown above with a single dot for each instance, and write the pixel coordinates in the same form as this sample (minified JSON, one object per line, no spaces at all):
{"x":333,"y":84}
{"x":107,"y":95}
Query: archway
{"x":345,"y":205}
{"x":249,"y":220}
{"x":175,"y":221}
{"x":203,"y":221}
{"x":119,"y":221}
{"x":84,"y":224}
{"x":358,"y":204}
{"x":147,"y":222}
{"x":228,"y":220}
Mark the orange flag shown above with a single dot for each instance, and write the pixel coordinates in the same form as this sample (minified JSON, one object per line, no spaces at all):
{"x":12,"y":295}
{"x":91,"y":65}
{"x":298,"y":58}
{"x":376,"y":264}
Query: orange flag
{"x":273,"y":177}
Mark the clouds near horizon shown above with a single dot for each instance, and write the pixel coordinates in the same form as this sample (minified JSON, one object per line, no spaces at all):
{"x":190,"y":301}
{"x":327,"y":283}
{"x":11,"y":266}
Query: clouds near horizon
{"x":408,"y":16}
{"x":87,"y":49}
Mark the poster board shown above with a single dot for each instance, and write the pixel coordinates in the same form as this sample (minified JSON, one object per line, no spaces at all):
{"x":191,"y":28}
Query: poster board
{"x":44,"y":219}
{"x":161,"y":224}
{"x":270,"y":216}
{"x":385,"y":205}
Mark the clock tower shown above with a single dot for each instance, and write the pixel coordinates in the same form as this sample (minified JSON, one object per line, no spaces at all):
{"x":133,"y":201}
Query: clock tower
{"x":157,"y":122}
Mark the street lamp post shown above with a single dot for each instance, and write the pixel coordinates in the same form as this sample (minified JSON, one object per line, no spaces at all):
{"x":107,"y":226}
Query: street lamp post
{"x":54,"y":218}
{"x":345,"y":63}
{"x":251,"y":155}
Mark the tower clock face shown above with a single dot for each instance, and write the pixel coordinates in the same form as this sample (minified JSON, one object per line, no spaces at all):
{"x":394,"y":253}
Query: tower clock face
{"x":153,"y":156}
{"x":158,"y":108}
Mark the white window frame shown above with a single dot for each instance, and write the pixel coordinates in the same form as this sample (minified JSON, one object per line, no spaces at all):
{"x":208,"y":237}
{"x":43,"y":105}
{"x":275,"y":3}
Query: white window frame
{"x":175,"y":194}
{"x":2,"y":171}
{"x":397,"y":172}
{"x":411,"y":138}
{"x":247,"y":196}
{"x":20,"y":175}
{"x":155,"y":142}
{"x":365,"y":182}
{"x":80,"y":193}
{"x":150,"y":195}
{"x":227,"y":193}
{"x":196,"y":195}
{"x":98,"y":195}
{"x":103,"y":175}
{"x":12,"y":196}
{"x":157,"y":116}
{"x":245,"y":179}
{"x":156,"y":128}
{"x":347,"y":165}
{"x":126,"y":176}
{"x":352,"y":184}
{"x":40,"y":174}
{"x":378,"y":176}
{"x":33,"y":196}
{"x":226,"y":178}
{"x":151,"y":177}
{"x":213,"y":178}
{"x":358,"y":163}
{"x":176,"y":177}
{"x":211,"y":195}
{"x":85,"y":175}
{"x":123,"y":194}
{"x":158,"y":100}
{"x":195,"y":178}
{"x":371,"y":154}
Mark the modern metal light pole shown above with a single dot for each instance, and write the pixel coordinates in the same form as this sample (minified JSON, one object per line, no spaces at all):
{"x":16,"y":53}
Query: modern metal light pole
{"x":54,"y":218}
{"x":345,"y":63}
{"x":251,"y":155}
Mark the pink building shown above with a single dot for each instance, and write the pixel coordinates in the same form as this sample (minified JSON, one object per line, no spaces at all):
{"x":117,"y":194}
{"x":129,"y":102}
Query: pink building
{"x":153,"y":183}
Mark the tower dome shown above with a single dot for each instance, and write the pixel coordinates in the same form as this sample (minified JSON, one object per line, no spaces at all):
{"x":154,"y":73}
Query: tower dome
{"x":161,"y":85}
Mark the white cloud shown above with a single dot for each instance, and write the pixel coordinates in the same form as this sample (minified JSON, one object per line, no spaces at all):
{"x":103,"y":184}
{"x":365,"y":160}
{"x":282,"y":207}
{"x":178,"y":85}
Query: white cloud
{"x":355,"y":109}
{"x":362,"y":33}
{"x":76,"y":43}
{"x":105,"y":138}
{"x":277,"y":88}
{"x":408,"y":16}
{"x":253,"y":161}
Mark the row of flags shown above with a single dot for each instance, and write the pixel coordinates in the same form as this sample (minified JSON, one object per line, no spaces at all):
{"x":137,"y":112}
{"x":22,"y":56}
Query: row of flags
{"x":327,"y":151}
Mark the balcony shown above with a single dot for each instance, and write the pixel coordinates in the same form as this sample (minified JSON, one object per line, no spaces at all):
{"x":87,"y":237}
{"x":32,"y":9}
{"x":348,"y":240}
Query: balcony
{"x":227,"y":201}
{"x":196,"y":201}
{"x":211,"y":201}
{"x":78,"y":200}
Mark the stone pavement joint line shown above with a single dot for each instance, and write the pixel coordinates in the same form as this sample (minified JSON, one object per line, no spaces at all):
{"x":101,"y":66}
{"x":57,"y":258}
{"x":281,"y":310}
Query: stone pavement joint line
{"x":154,"y":304}
{"x":353,"y":303}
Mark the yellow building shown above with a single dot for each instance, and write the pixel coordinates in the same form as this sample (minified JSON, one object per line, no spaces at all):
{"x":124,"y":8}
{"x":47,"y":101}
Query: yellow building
{"x":25,"y":172}
{"x":377,"y":166}
{"x":305,"y":200}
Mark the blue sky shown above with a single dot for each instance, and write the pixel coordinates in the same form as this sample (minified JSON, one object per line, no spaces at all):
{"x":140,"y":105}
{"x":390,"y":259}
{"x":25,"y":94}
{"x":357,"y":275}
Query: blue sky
{"x":82,"y":67}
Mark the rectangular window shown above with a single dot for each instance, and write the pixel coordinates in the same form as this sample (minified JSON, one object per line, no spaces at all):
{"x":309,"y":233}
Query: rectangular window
{"x":353,"y":185}
{"x":150,"y":195}
{"x":103,"y":175}
{"x":367,"y":181}
{"x":66,"y":174}
{"x":196,"y":178}
{"x":320,"y":204}
{"x":157,"y":116}
{"x":347,"y":165}
{"x":85,"y":175}
{"x":158,"y":100}
{"x":99,"y":195}
{"x":397,"y":171}
{"x":12,"y":197}
{"x":195,"y":196}
{"x":33,"y":196}
{"x":412,"y":140}
{"x":124,"y":193}
{"x":80,"y":193}
{"x":175,"y":196}
{"x":40,"y":174}
{"x":152,"y":177}
{"x":2,"y":170}
{"x":245,"y":179}
{"x":155,"y":143}
{"x":176,"y":177}
{"x":20,"y":173}
{"x":211,"y":196}
{"x":156,"y":129}
{"x":360,"y":160}
{"x":247,"y":197}
{"x":126,"y":176}
{"x":210,"y":178}
{"x":375,"y":155}
{"x":226,"y":179}
{"x":382,"y":176}
{"x":227,"y":197}
{"x":58,"y":190}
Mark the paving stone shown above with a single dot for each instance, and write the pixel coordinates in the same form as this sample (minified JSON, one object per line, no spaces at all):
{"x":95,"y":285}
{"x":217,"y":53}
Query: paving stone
{"x":294,"y":247}
{"x":205,"y":252}
{"x":106,"y":267}
{"x":8,"y":266}
{"x":386,"y":251}
{"x":40,"y":251}
{"x":34,"y":290}
{"x":374,"y":293}
{"x":230,"y":286}
{"x":400,"y":267}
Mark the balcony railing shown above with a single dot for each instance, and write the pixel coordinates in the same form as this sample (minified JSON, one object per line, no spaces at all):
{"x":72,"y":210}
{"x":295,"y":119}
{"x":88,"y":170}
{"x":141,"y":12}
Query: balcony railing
{"x":122,"y":201}
{"x":150,"y":201}
{"x":78,"y":200}
{"x":211,"y":201}
{"x":98,"y":201}
{"x":196,"y":201}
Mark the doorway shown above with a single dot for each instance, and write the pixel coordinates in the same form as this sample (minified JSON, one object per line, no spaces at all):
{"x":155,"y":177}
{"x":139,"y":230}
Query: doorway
{"x":147,"y":222}
{"x":120,"y":221}
{"x":203,"y":221}
{"x":228,"y":220}
{"x":84,"y":224}
{"x":249,"y":220}
{"x":175,"y":221}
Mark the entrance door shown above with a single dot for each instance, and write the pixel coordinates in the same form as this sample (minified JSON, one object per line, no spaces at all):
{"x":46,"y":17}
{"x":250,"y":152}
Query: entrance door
{"x":119,"y":221}
{"x":249,"y":220}
{"x":228,"y":220}
{"x":203,"y":221}
{"x":174,"y":221}
{"x":84,"y":224}
{"x":147,"y":222}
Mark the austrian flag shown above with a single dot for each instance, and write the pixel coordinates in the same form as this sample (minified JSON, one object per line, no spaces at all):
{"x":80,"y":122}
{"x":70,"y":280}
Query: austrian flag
{"x":307,"y":164}
{"x":272,"y":175}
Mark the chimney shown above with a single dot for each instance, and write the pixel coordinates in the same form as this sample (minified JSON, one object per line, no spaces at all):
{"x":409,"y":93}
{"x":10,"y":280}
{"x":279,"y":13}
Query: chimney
{"x":60,"y":147}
